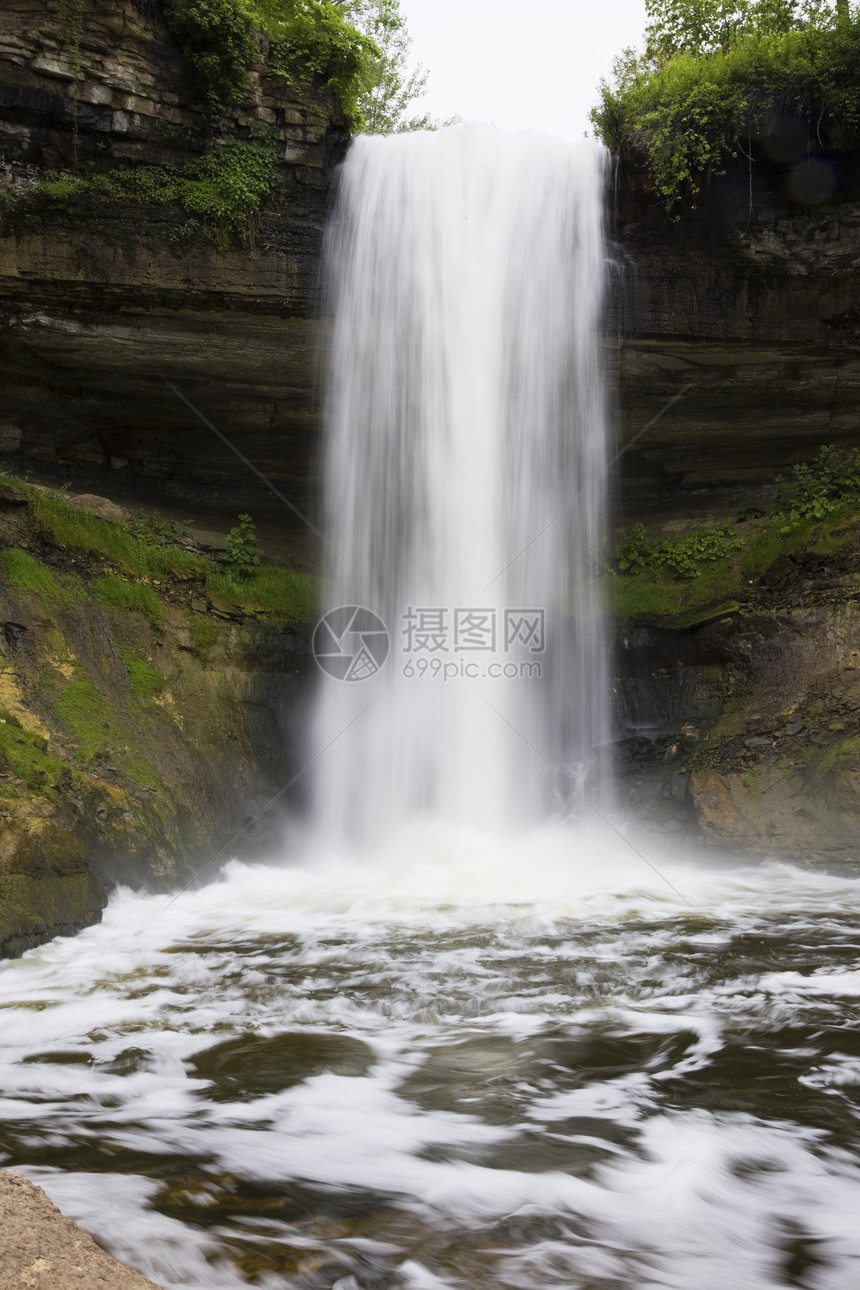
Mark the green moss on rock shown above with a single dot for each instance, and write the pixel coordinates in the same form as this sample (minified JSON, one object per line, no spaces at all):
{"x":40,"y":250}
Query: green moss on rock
{"x":136,"y":597}
{"x":35,"y":909}
{"x":89,"y":719}
{"x":25,"y":573}
{"x":146,"y":681}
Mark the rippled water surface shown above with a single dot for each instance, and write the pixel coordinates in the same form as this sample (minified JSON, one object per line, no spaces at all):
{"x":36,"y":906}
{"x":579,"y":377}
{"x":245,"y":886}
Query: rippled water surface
{"x":465,"y":1064}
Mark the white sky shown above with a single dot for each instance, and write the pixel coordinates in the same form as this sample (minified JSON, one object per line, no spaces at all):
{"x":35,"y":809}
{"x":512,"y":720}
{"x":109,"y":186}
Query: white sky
{"x":520,"y":64}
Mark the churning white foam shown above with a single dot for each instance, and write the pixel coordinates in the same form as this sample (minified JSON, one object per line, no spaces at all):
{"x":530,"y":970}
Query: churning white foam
{"x":540,"y":1059}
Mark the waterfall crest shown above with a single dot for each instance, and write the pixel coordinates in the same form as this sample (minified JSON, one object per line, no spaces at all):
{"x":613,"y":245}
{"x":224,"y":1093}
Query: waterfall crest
{"x":465,"y":483}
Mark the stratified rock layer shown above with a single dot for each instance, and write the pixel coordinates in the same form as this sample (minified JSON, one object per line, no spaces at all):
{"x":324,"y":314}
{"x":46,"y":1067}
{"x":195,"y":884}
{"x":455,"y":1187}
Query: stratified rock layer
{"x":101,"y":299}
{"x":741,"y":353}
{"x":741,"y":316}
{"x":746,"y":728}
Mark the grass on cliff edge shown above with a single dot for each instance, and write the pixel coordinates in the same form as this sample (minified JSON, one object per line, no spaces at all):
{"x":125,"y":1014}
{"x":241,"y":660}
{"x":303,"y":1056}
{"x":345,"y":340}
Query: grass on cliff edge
{"x":24,"y":573}
{"x":78,"y":529}
{"x":657,"y":593}
{"x":141,"y":568}
{"x":131,"y":597}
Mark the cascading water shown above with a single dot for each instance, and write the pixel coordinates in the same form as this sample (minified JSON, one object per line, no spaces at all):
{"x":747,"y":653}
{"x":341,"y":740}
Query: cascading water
{"x":465,"y":480}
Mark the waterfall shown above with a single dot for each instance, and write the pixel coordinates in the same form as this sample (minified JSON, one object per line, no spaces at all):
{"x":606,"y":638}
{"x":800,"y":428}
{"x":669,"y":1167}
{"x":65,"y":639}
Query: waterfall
{"x":464,"y":485}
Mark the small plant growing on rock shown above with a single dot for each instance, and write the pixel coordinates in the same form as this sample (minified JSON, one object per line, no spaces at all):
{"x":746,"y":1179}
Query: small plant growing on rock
{"x":636,"y":552}
{"x":242,"y":556}
{"x":682,"y":558}
{"x":819,"y":486}
{"x":749,"y":513}
{"x":152,"y":530}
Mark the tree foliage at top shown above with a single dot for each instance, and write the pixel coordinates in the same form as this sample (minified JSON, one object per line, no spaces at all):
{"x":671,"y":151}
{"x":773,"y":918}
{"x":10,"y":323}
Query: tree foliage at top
{"x":310,"y":38}
{"x":357,"y":48}
{"x":317,"y":39}
{"x":218,"y":37}
{"x":713,"y":26}
{"x":393,"y":88}
{"x":716,"y":74}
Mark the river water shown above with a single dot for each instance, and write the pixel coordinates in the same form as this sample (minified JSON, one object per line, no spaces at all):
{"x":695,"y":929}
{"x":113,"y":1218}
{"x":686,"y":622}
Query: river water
{"x":468,"y":1063}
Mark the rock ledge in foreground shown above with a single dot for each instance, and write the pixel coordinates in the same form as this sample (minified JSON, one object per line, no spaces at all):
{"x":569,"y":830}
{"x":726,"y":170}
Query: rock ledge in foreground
{"x":42,"y":1250}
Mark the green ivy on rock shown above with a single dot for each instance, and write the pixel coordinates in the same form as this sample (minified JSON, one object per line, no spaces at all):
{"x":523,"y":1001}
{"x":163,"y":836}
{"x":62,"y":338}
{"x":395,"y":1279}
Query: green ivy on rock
{"x":224,"y":189}
{"x":218,"y":37}
{"x":311,"y":39}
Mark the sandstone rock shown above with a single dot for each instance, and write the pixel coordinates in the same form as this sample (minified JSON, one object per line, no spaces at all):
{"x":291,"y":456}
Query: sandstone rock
{"x":794,"y":794}
{"x":101,"y":506}
{"x":43,"y":1250}
{"x":10,"y":496}
{"x":208,"y":540}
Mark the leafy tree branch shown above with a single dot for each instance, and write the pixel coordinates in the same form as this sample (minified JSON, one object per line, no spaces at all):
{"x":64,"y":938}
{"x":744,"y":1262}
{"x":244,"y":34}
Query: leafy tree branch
{"x":714,"y":73}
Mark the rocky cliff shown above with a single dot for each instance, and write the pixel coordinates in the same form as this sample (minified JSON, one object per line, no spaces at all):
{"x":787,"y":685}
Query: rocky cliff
{"x":101,"y":297}
{"x":150,"y":710}
{"x":746,"y":308}
{"x":741,"y":729}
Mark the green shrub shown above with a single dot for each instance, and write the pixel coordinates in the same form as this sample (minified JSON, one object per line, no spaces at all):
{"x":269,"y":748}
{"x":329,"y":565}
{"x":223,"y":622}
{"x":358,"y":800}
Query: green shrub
{"x":683,"y":558}
{"x":223,"y":190}
{"x":218,"y":37}
{"x":819,"y":487}
{"x":636,"y":552}
{"x":64,"y":188}
{"x":242,"y":557}
{"x":311,"y":39}
{"x":689,"y":112}
{"x":314,"y":42}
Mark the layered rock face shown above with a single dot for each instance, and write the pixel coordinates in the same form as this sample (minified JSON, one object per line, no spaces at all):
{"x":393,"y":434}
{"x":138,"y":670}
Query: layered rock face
{"x":743,"y":731}
{"x":146,"y":726}
{"x":103,"y":298}
{"x":745,"y":311}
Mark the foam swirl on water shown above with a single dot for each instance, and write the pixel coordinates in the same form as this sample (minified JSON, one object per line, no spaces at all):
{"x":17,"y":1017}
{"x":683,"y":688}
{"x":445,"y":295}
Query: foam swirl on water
{"x":429,"y":1071}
